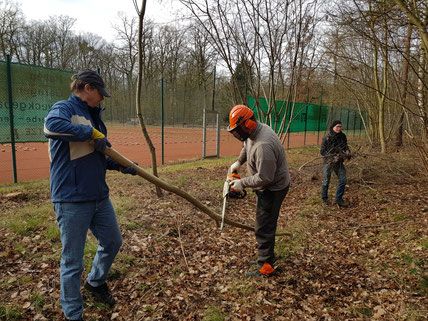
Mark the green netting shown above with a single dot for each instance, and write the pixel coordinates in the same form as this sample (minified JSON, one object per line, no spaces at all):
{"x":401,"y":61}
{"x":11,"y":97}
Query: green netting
{"x":34,"y":91}
{"x":306,"y":117}
{"x":309,"y":117}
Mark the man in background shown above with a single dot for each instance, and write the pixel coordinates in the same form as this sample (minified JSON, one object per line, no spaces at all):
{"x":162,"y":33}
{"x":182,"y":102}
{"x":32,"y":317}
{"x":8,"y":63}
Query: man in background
{"x":335,"y":150}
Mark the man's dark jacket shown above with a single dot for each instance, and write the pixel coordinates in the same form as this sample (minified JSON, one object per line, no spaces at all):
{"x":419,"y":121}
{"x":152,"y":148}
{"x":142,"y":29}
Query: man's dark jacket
{"x":334,"y":147}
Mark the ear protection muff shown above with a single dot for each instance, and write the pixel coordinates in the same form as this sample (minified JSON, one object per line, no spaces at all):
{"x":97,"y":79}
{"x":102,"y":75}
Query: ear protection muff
{"x":250,"y":124}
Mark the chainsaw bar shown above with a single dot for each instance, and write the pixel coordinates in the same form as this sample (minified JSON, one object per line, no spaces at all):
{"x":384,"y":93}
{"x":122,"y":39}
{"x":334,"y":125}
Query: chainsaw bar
{"x":229,"y":192}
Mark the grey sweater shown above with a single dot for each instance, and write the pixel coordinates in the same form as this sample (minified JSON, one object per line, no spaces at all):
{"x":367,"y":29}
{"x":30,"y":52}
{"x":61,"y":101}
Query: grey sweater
{"x":265,"y":157}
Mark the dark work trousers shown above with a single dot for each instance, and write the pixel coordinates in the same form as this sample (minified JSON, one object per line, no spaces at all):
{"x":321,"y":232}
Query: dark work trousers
{"x":268,"y":206}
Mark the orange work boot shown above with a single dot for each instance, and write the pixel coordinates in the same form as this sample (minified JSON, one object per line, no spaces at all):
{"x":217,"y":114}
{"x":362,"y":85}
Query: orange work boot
{"x":265,"y":270}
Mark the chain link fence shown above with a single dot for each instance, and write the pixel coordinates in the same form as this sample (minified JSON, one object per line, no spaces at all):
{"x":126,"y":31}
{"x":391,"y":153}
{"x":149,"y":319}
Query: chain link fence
{"x":27,"y":92}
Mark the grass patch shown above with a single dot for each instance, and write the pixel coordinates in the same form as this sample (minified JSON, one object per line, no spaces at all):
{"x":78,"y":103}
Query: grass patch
{"x":91,"y":247}
{"x":304,"y":212}
{"x":178,"y":167}
{"x":126,"y":259}
{"x":214,"y":313}
{"x":123,"y":205}
{"x":424,"y":284}
{"x":26,"y":220}
{"x":314,"y":200}
{"x":10,"y":312}
{"x":364,"y":311}
{"x":399,"y":217}
{"x":286,"y":247}
{"x":117,"y":272}
{"x":52,"y":233}
{"x":25,"y":279}
{"x":424,"y":244}
{"x":245,"y":289}
{"x":217,"y":185}
{"x":144,"y":287}
{"x":181,"y":180}
{"x":29,"y":188}
{"x":283,"y":250}
{"x":19,"y":247}
{"x":132,"y":226}
{"x":38,"y":300}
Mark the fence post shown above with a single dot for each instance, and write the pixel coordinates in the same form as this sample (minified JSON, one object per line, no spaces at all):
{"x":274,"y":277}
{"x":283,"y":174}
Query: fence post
{"x":306,"y":116}
{"x":204,"y":133}
{"x":212,"y":103}
{"x":319,"y":119}
{"x":347,"y":120}
{"x":11,"y":120}
{"x":246,"y":89}
{"x":355,"y":117}
{"x":162,"y":124}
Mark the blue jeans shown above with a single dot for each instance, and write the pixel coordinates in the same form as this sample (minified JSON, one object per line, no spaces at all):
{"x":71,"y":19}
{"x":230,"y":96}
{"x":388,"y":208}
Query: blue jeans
{"x":340,"y":171}
{"x":74,"y":220}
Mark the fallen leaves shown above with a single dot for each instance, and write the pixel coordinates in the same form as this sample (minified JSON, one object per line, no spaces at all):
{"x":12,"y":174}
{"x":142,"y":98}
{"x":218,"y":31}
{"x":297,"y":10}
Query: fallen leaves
{"x":336,"y":264}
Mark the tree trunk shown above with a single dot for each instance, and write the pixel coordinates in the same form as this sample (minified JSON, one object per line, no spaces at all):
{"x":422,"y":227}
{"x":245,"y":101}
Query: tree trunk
{"x":138,"y":90}
{"x":421,"y":93}
{"x":161,"y":184}
{"x":404,"y":84}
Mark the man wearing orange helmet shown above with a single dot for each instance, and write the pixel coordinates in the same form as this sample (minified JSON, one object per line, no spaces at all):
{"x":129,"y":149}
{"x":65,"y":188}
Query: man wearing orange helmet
{"x":268,"y":176}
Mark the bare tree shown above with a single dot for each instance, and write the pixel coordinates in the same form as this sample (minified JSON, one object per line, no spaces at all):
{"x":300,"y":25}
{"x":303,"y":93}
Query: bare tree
{"x":263,"y":33}
{"x":417,"y":12}
{"x":33,"y":40}
{"x":11,"y":25}
{"x":404,"y":80}
{"x":141,"y":11}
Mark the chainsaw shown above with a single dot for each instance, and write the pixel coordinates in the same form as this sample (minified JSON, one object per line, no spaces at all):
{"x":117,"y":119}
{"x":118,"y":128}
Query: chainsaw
{"x":229,"y":192}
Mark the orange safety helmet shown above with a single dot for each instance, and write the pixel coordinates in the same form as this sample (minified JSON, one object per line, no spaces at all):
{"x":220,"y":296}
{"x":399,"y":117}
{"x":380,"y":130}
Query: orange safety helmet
{"x":241,"y":115}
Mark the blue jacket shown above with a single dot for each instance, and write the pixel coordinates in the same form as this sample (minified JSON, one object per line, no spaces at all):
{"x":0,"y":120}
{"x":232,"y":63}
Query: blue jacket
{"x":77,"y":171}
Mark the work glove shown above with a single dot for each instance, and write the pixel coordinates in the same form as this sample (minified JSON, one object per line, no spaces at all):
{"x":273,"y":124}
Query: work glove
{"x":100,"y":141}
{"x":234,"y":168}
{"x":128,"y":170}
{"x":236,"y":184}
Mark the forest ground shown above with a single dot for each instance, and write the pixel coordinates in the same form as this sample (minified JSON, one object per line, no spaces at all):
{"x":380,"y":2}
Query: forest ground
{"x":368,"y":261}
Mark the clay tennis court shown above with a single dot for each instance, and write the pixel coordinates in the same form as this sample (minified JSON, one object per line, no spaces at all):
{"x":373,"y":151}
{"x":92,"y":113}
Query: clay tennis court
{"x":32,"y":160}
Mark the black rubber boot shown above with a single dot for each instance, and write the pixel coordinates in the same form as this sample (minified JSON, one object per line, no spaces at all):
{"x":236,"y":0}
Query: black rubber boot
{"x":100,"y":293}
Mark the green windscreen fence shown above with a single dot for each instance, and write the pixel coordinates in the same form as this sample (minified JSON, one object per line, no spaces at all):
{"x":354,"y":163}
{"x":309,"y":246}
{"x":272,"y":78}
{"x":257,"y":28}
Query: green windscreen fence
{"x":34,"y":90}
{"x":306,"y":117}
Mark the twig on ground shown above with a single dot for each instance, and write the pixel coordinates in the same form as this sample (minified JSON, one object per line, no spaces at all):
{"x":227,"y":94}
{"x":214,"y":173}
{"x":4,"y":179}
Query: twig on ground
{"x":371,"y":226}
{"x":181,"y":243}
{"x":366,"y":183}
{"x":312,"y":160}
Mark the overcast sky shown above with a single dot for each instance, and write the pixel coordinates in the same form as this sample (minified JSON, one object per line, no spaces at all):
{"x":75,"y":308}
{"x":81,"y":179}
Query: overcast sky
{"x":96,"y":16}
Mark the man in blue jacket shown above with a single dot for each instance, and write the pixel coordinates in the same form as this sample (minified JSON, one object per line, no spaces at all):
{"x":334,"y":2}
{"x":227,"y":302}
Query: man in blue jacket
{"x":79,"y":193}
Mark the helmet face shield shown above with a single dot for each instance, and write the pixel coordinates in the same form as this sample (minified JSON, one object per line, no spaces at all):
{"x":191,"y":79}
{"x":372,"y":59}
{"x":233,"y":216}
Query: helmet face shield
{"x":239,"y":133}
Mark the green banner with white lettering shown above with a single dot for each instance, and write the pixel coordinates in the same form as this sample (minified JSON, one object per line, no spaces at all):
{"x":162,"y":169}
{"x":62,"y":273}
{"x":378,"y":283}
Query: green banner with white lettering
{"x":34,"y":90}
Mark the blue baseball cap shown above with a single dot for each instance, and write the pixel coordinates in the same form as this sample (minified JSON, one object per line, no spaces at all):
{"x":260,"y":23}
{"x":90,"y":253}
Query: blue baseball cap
{"x":92,"y":78}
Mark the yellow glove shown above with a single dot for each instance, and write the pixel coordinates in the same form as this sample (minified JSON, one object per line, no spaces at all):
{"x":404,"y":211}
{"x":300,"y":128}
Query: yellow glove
{"x":96,"y":134}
